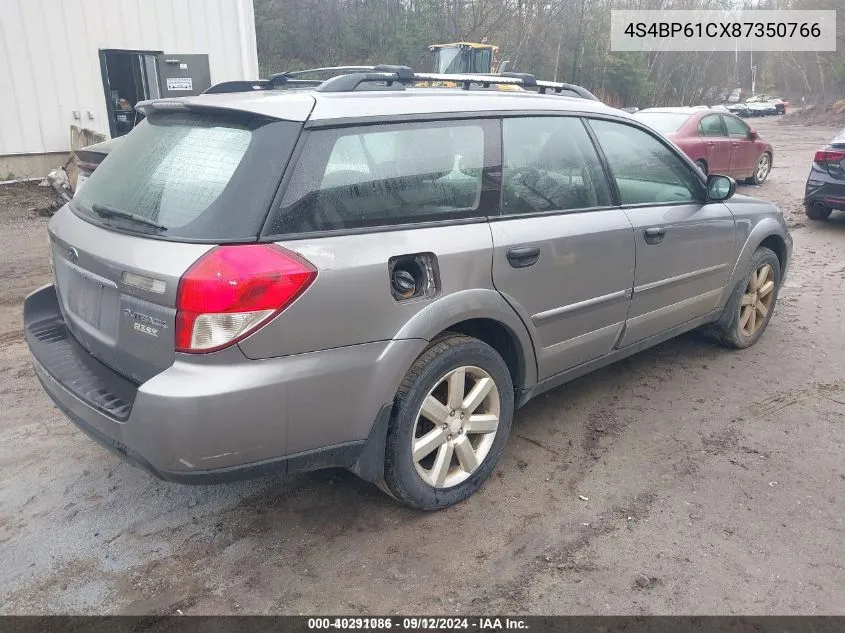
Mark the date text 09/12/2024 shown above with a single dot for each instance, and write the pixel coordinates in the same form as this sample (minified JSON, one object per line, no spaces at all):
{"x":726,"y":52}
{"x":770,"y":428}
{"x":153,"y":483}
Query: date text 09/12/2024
{"x":418,"y":623}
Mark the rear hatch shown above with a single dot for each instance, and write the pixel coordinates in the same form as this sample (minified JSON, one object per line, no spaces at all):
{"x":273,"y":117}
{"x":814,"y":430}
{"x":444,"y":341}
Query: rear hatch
{"x":180,"y":183}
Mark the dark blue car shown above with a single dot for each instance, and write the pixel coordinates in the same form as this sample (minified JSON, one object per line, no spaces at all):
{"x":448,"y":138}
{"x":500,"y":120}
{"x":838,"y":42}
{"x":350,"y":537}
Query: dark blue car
{"x":826,"y":185}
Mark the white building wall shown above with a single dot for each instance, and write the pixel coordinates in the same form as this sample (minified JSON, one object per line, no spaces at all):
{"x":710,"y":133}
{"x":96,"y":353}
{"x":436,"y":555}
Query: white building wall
{"x":50,"y":64}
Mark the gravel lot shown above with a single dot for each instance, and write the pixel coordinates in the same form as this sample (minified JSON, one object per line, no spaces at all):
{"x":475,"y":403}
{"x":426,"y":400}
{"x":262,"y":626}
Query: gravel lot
{"x":715,"y":481}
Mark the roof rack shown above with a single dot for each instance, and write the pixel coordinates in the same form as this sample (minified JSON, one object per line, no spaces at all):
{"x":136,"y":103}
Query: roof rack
{"x":381,"y":77}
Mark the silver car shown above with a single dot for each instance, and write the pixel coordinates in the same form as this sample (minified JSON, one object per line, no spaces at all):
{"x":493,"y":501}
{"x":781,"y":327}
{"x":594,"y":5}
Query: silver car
{"x":369,"y":275}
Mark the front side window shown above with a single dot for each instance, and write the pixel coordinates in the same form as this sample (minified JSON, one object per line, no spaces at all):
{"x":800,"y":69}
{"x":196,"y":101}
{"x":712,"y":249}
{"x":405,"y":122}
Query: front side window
{"x":550,"y":164}
{"x":386,"y":175}
{"x":735,"y":127}
{"x":711,"y":126}
{"x":645,"y":170}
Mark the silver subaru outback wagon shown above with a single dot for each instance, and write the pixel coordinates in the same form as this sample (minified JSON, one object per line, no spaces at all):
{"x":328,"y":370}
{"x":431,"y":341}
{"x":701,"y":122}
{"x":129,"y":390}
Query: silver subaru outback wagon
{"x":371,"y":275}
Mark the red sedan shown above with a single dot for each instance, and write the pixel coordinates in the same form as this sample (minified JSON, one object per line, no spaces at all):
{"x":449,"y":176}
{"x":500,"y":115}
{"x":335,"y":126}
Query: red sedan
{"x":718,"y":142}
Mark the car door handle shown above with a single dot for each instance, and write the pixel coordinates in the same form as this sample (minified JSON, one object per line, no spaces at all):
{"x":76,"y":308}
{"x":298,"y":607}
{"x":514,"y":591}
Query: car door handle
{"x":710,"y":143}
{"x":524,"y":256}
{"x":735,"y":144}
{"x":654,"y":234}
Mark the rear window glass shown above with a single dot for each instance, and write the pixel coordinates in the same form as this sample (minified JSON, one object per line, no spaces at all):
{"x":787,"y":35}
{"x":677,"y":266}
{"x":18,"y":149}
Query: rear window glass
{"x":386,"y":175}
{"x":667,"y":122}
{"x":201,"y":177}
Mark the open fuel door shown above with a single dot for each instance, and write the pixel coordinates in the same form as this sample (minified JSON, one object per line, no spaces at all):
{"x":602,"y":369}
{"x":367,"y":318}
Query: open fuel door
{"x":183,"y":75}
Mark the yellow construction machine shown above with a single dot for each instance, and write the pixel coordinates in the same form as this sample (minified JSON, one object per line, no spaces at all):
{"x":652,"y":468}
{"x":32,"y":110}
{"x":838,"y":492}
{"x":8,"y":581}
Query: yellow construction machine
{"x":466,"y":58}
{"x":463,"y":58}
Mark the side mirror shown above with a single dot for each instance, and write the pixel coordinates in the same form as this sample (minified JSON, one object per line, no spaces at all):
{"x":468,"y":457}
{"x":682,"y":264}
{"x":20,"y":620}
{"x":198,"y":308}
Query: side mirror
{"x":752,"y":134}
{"x":720,"y":188}
{"x":504,"y":66}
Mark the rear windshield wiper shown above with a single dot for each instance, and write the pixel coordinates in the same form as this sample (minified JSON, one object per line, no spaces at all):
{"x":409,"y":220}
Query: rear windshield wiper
{"x":105,"y":211}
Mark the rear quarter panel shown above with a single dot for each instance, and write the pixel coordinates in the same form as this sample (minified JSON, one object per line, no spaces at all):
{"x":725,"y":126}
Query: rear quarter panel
{"x":350,"y":302}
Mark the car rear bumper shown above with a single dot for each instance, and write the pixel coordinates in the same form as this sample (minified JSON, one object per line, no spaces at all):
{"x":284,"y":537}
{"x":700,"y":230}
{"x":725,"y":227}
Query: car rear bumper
{"x":822,"y":188}
{"x":221,"y":416}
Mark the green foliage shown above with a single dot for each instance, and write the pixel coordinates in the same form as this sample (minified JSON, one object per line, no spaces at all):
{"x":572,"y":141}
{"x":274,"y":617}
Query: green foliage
{"x":627,"y":78}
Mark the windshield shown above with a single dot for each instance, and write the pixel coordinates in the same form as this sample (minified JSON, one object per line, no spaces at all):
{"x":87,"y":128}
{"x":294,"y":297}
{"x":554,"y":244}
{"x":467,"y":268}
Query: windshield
{"x":187,"y":175}
{"x":666,"y":122}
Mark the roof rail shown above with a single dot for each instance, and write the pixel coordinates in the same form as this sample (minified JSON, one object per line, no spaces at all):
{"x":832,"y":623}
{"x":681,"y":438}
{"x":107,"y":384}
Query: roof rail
{"x":558,"y":88}
{"x":527,"y":79}
{"x":288,"y":78}
{"x":260,"y":84}
{"x":237,"y":86}
{"x":389,"y":77}
{"x":297,"y":73}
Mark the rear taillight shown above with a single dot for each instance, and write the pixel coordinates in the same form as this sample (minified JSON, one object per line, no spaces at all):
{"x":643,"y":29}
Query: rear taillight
{"x":828,"y":156}
{"x":231,"y":291}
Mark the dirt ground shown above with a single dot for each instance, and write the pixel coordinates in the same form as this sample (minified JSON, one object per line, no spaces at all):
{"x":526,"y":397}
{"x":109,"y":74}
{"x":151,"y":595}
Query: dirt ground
{"x":715,"y":483}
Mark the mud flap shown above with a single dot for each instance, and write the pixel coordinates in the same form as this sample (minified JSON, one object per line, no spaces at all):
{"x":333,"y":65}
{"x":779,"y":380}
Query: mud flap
{"x":370,"y":463}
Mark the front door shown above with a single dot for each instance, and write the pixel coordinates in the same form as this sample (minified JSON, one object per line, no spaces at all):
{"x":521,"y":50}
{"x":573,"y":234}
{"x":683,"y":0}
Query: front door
{"x":183,"y":75}
{"x":684,"y":245}
{"x":562,"y":256}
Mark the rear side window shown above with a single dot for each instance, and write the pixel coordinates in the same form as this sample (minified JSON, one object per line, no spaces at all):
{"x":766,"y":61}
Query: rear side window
{"x":550,"y":164}
{"x":386,"y":175}
{"x":199,"y":177}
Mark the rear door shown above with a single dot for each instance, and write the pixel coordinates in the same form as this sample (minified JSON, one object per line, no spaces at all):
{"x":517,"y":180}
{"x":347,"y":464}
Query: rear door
{"x":712,"y":133}
{"x":684,"y":246}
{"x":743,"y":152}
{"x":563,"y":256}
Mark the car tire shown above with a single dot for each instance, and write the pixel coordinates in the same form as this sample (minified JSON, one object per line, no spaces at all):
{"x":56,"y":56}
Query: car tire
{"x":446,"y":375}
{"x":762,"y":168}
{"x":702,"y":165}
{"x":751,"y":304}
{"x":817,"y":211}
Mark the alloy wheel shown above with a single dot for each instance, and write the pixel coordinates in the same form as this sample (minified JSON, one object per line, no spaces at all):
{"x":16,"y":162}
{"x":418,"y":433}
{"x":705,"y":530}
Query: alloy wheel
{"x":757,"y":300}
{"x":763,"y":166}
{"x":455,"y":427}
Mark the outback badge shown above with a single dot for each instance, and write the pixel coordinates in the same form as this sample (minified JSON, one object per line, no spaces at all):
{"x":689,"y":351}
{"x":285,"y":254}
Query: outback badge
{"x":144,"y":323}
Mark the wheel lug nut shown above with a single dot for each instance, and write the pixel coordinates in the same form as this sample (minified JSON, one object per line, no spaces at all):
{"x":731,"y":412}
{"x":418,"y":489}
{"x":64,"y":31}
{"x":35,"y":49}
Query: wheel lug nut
{"x":449,"y":438}
{"x":445,"y":426}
